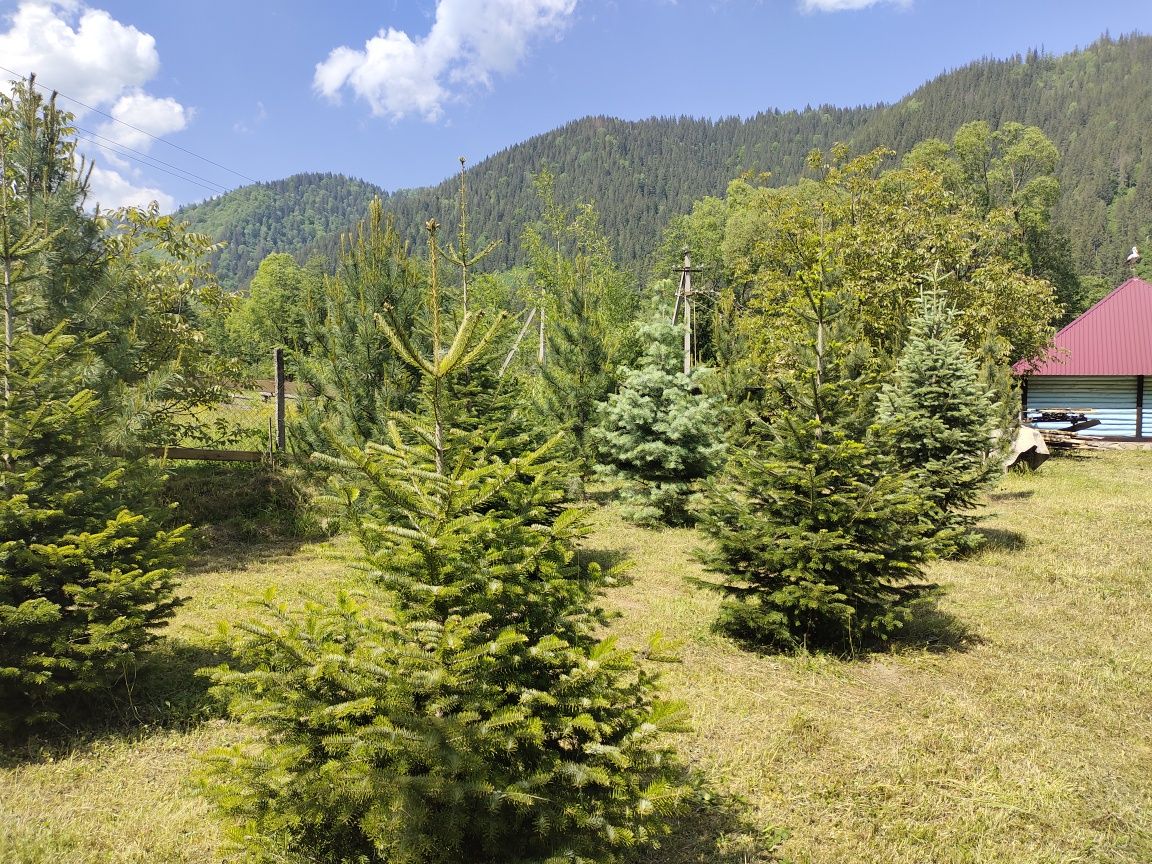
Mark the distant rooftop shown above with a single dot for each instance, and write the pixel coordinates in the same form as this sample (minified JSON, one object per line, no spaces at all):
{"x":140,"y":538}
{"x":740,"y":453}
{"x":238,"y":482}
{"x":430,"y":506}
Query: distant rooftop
{"x":1114,"y":337}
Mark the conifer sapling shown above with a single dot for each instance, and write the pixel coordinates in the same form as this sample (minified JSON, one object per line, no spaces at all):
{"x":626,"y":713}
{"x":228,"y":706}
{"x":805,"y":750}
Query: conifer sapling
{"x":818,"y":538}
{"x":456,"y":707}
{"x":659,"y":434}
{"x":938,"y":420}
{"x":87,"y":573}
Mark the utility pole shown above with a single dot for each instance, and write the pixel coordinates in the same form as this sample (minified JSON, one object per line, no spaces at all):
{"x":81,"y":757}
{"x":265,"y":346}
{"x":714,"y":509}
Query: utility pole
{"x":516,"y":344}
{"x":684,"y":301}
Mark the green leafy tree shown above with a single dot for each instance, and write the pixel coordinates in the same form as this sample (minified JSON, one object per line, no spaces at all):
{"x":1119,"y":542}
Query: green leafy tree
{"x":274,"y":313}
{"x":882,"y":233}
{"x":152,"y":311}
{"x":819,"y":540}
{"x":458,"y":707}
{"x":1009,"y":179}
{"x":132,"y":284}
{"x":659,"y":434}
{"x":938,"y":420}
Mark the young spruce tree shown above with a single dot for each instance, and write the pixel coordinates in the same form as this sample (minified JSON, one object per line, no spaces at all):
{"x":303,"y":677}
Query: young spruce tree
{"x":86,"y":572}
{"x":659,"y":434}
{"x":819,"y":539}
{"x":938,"y":420}
{"x":458,"y":707}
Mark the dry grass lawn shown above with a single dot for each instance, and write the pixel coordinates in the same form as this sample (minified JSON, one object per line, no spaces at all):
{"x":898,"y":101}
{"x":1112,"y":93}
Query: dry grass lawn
{"x":1016,"y":728}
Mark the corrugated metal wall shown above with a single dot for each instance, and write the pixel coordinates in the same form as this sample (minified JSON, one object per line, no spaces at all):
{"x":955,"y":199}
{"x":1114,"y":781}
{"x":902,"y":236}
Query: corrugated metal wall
{"x":1146,"y":423}
{"x":1112,"y":401}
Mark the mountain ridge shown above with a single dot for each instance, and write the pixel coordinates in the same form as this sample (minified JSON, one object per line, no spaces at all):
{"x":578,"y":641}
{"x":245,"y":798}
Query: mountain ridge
{"x":1095,"y":104}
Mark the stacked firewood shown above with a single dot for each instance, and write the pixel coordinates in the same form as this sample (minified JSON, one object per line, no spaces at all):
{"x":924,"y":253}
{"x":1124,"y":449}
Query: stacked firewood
{"x":1058,"y":440}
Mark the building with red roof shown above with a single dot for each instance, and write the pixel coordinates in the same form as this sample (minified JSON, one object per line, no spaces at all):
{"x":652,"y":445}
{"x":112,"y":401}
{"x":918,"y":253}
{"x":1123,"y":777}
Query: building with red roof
{"x":1099,"y":365}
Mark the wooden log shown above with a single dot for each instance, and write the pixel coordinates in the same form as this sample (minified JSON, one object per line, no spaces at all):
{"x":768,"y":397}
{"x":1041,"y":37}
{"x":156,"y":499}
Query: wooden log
{"x":1069,"y":441}
{"x":199,"y":454}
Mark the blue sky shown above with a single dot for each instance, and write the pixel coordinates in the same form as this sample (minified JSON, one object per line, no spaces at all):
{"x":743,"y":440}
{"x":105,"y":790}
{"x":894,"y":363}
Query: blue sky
{"x":394,"y":91}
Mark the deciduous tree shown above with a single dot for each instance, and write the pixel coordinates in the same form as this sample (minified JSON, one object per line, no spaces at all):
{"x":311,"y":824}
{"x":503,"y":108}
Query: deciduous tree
{"x":275,"y":311}
{"x":881,"y":234}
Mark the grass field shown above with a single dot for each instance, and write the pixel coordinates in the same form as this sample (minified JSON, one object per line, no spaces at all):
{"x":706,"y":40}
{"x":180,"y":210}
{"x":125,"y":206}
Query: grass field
{"x":1013,"y":726}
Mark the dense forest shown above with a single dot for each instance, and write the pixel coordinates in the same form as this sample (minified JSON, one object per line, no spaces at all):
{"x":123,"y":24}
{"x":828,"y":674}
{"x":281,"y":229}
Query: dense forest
{"x":301,"y":214}
{"x":1095,"y":105}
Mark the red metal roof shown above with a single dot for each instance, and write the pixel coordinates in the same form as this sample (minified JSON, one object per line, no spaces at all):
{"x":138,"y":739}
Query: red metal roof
{"x":1114,"y":337}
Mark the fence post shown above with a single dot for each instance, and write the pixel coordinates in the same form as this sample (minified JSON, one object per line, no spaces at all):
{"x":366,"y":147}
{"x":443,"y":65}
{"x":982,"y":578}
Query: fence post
{"x":278,"y":356}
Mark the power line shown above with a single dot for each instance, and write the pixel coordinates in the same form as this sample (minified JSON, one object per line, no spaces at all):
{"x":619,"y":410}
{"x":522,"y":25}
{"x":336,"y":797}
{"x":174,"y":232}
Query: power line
{"x":214,"y":190}
{"x":161,"y":140}
{"x":136,"y":128}
{"x":152,"y":161}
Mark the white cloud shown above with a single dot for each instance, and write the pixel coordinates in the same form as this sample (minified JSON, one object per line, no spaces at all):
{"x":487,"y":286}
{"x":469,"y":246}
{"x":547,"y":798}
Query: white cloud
{"x":470,"y":42}
{"x":83,"y":52}
{"x":88,"y":55}
{"x":111,"y":189}
{"x":847,"y":5}
{"x":149,"y":115}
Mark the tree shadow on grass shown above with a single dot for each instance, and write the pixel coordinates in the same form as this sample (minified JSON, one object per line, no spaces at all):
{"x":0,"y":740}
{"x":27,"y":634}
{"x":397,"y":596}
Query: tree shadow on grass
{"x":228,"y":554}
{"x":600,"y":494}
{"x":1000,"y":540}
{"x":1073,"y":454}
{"x":930,"y":628}
{"x":161,"y":691}
{"x":715,"y":829}
{"x":1017,"y":495}
{"x":167,"y":692}
{"x":926,"y":627}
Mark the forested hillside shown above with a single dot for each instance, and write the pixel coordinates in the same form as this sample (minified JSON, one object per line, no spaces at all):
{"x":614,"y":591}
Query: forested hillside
{"x":302,"y":214}
{"x":1095,"y":105}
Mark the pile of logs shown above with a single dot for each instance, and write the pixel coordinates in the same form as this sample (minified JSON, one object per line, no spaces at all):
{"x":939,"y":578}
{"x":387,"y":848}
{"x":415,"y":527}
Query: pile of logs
{"x":1057,"y":439}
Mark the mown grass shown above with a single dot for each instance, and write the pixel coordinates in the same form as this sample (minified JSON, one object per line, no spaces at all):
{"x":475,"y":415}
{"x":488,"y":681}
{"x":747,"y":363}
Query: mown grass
{"x":1014,"y":726}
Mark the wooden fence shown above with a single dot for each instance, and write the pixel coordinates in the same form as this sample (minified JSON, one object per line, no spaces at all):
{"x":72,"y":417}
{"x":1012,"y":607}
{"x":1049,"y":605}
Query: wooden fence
{"x":280,"y":390}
